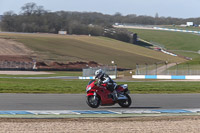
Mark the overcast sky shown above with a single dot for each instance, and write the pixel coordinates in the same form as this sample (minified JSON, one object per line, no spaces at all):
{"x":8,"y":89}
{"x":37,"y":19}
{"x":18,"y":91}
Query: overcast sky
{"x":173,"y":8}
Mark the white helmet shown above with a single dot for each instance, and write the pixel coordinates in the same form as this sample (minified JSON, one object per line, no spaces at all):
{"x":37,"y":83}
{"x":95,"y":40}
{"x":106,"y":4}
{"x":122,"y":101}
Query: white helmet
{"x":98,"y":73}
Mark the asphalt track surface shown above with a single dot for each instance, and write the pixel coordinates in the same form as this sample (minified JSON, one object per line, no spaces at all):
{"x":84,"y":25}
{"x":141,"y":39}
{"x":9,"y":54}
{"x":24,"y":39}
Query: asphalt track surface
{"x":77,"y":102}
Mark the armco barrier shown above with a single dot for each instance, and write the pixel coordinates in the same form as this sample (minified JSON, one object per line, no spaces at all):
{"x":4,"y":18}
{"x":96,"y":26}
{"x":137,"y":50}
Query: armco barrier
{"x":86,"y":77}
{"x":177,"y":30}
{"x":166,"y":76}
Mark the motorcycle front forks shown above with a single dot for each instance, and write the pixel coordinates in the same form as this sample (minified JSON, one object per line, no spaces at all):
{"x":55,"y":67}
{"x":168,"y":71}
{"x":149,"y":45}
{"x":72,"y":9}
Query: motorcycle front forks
{"x":95,"y":94}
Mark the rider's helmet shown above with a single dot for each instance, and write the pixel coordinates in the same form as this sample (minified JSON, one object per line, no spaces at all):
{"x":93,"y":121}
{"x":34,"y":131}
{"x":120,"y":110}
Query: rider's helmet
{"x":99,"y":73}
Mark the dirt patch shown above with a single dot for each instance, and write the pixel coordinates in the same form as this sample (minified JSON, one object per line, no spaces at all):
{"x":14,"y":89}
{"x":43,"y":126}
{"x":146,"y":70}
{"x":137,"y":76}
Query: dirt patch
{"x":15,"y":58}
{"x":79,"y":65}
{"x":15,"y":55}
{"x":173,"y":124}
{"x":9,"y":47}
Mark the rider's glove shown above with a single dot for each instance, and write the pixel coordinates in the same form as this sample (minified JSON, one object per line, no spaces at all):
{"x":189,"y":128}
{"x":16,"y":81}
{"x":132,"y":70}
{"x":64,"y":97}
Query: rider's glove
{"x":99,"y":83}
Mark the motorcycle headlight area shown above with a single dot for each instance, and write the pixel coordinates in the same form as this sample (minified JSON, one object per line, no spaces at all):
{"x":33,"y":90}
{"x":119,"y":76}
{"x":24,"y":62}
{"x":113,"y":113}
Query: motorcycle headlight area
{"x":88,"y":89}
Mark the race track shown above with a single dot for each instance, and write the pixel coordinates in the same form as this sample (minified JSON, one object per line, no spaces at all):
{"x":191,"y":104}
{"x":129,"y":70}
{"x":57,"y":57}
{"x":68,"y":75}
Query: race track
{"x":77,"y":102}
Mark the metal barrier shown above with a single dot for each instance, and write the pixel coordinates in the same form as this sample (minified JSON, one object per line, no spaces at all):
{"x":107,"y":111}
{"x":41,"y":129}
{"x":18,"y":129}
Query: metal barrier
{"x":110,"y":70}
{"x":168,"y":69}
{"x":177,"y":30}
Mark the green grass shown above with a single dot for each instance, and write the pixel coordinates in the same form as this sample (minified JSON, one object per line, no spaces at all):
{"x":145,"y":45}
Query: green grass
{"x":85,"y":48}
{"x":173,"y":41}
{"x":164,"y":87}
{"x":78,"y":86}
{"x":41,"y":86}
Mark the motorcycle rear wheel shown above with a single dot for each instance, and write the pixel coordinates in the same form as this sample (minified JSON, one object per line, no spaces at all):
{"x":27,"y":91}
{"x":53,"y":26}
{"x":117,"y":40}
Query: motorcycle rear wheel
{"x":125,"y":103}
{"x":93,"y":101}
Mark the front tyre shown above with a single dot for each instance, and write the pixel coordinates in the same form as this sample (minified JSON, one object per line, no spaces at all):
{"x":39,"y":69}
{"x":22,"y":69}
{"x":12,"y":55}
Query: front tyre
{"x":93,"y":101}
{"x":125,"y":103}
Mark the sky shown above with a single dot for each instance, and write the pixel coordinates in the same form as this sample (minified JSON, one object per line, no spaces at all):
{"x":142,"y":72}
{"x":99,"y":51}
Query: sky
{"x":166,"y":8}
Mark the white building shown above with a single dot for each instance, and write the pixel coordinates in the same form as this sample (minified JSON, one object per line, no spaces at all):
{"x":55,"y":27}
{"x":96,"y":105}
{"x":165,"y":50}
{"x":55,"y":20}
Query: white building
{"x":190,"y":24}
{"x":62,"y":32}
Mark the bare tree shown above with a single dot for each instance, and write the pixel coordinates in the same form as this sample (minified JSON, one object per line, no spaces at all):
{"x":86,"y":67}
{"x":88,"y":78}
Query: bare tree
{"x":29,"y":8}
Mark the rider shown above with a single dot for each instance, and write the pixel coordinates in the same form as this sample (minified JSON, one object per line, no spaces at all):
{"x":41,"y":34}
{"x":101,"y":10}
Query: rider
{"x":103,"y":78}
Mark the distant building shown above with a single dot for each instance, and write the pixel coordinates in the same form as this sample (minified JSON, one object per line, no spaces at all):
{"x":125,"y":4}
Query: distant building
{"x":62,"y":32}
{"x":190,"y":24}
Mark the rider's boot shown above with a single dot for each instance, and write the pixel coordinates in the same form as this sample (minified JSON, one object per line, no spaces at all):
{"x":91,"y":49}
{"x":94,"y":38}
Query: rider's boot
{"x":115,"y":95}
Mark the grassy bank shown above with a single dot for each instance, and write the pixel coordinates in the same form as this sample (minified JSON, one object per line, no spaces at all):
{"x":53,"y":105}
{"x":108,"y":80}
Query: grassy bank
{"x":78,"y":86}
{"x":185,"y":44}
{"x":50,"y":47}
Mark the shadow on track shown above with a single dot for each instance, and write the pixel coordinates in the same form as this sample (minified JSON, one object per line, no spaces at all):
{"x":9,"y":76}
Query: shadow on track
{"x":130,"y":108}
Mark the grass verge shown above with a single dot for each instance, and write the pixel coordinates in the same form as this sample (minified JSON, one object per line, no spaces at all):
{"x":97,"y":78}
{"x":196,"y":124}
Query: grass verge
{"x":78,"y":86}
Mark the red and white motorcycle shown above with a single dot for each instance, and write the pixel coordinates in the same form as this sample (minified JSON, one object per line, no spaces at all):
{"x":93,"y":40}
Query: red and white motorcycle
{"x":98,"y":95}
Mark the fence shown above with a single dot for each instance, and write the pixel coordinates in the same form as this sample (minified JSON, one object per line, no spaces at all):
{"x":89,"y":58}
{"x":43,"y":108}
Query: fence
{"x":110,"y":70}
{"x":15,"y":65}
{"x":168,"y":69}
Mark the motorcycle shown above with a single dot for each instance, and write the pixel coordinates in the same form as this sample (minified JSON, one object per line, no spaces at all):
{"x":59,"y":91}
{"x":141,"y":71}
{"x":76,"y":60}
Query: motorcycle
{"x":98,"y":95}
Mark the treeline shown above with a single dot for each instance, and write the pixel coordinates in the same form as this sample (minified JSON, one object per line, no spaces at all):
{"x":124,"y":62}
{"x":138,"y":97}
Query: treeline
{"x":33,"y":18}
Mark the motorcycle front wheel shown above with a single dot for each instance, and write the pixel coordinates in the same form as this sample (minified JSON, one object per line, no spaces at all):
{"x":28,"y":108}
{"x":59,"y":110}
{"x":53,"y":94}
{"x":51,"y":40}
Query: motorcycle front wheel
{"x":125,"y":103}
{"x":93,"y":101}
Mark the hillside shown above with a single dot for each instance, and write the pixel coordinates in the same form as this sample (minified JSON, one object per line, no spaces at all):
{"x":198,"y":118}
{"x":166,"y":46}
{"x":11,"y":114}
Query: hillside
{"x":51,"y":47}
{"x":185,"y":44}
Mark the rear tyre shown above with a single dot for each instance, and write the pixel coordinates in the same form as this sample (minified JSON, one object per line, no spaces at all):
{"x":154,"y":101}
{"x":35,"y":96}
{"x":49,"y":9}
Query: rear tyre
{"x":125,"y":103}
{"x":93,"y":101}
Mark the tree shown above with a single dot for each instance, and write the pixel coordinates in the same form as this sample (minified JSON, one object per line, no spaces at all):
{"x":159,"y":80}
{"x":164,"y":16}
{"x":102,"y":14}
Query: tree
{"x":8,"y":21}
{"x":29,"y":8}
{"x":156,"y":16}
{"x":35,"y":18}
